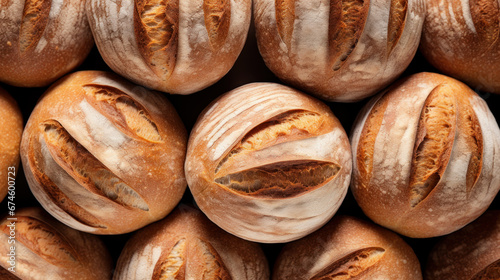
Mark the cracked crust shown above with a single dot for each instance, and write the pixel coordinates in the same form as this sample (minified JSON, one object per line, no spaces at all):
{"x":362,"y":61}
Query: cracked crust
{"x":103,"y":155}
{"x":348,"y":248}
{"x":425,"y":163}
{"x":186,"y":245}
{"x":260,"y":155}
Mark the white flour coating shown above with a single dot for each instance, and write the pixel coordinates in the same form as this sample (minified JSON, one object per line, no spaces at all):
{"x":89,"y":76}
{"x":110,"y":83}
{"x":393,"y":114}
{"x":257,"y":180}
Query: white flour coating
{"x":41,"y":45}
{"x":56,"y":174}
{"x":55,"y":8}
{"x":309,"y":45}
{"x":467,"y":15}
{"x":100,"y":128}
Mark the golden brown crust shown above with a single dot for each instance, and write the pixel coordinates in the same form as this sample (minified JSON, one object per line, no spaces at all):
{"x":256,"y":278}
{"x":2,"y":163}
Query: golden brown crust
{"x":104,"y":155}
{"x":42,"y":40}
{"x":186,"y":245}
{"x":397,"y":20}
{"x":428,"y":168}
{"x":48,"y":249}
{"x":35,"y":17}
{"x":473,"y":57}
{"x":167,"y":45}
{"x":347,"y":21}
{"x":434,"y":141}
{"x":285,"y":18}
{"x":338,"y":50}
{"x":348,"y":248}
{"x":11,"y":128}
{"x":217,"y":15}
{"x":156,"y":27}
{"x":265,"y":151}
{"x":472,"y":253}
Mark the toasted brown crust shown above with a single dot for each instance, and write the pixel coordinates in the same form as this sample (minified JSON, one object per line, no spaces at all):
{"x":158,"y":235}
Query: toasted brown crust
{"x":335,"y":49}
{"x":42,"y":40}
{"x":11,"y":129}
{"x":167,"y":45}
{"x":188,"y":246}
{"x":285,"y":18}
{"x":104,"y":155}
{"x":35,"y":17}
{"x":265,"y":151}
{"x":397,"y":20}
{"x":347,"y":248}
{"x":426,"y":160}
{"x":347,"y":21}
{"x":48,"y":249}
{"x":156,"y":27}
{"x":473,"y":57}
{"x":472,"y":253}
{"x":217,"y":15}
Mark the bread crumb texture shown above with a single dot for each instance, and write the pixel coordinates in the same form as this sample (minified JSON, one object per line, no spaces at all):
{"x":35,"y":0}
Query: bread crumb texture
{"x":352,"y":265}
{"x":86,"y":169}
{"x":125,"y":112}
{"x":34,"y":20}
{"x":281,"y":179}
{"x":217,"y":15}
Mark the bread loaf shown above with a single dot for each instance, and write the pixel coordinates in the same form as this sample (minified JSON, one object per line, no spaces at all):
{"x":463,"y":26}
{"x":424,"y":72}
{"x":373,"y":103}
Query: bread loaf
{"x":472,"y":253}
{"x":173,"y":46}
{"x":426,"y":156}
{"x":348,"y":248}
{"x":103,"y":155}
{"x":460,"y":38}
{"x":338,"y":50}
{"x":41,"y":40}
{"x":46,"y":249}
{"x":268,"y":163}
{"x":11,"y":128}
{"x":186,"y":245}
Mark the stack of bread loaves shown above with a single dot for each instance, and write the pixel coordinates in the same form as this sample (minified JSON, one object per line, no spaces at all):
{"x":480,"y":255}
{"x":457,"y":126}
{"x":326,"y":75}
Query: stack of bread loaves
{"x":205,"y":139}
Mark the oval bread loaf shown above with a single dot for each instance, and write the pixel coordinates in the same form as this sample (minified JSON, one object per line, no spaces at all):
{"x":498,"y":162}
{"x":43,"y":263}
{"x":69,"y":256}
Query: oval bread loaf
{"x":348,"y":248}
{"x":338,"y":50}
{"x":268,"y":163}
{"x":47,"y":249}
{"x":472,"y":253}
{"x":41,"y":40}
{"x":103,"y":155}
{"x":426,"y":156}
{"x":11,"y":129}
{"x":173,"y":46}
{"x":186,"y":245}
{"x":461,"y":40}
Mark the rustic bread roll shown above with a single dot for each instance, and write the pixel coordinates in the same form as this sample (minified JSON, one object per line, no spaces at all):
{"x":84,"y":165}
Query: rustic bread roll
{"x":186,"y":245}
{"x":460,"y":38}
{"x":472,"y":253}
{"x":338,"y":50}
{"x":268,"y":163}
{"x":11,"y":128}
{"x":41,"y":40}
{"x":47,"y":249}
{"x":348,"y":248}
{"x":174,"y":46}
{"x":426,"y":156}
{"x":103,"y":155}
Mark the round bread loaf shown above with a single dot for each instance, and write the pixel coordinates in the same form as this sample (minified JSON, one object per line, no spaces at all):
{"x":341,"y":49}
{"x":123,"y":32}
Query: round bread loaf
{"x":348,"y":248}
{"x":186,"y":245}
{"x":11,"y":129}
{"x":41,"y":40}
{"x":338,"y":50}
{"x":472,"y":253}
{"x":173,"y":46}
{"x":103,"y":155}
{"x":460,"y":38}
{"x":46,"y":249}
{"x":268,"y":163}
{"x":427,"y":153}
